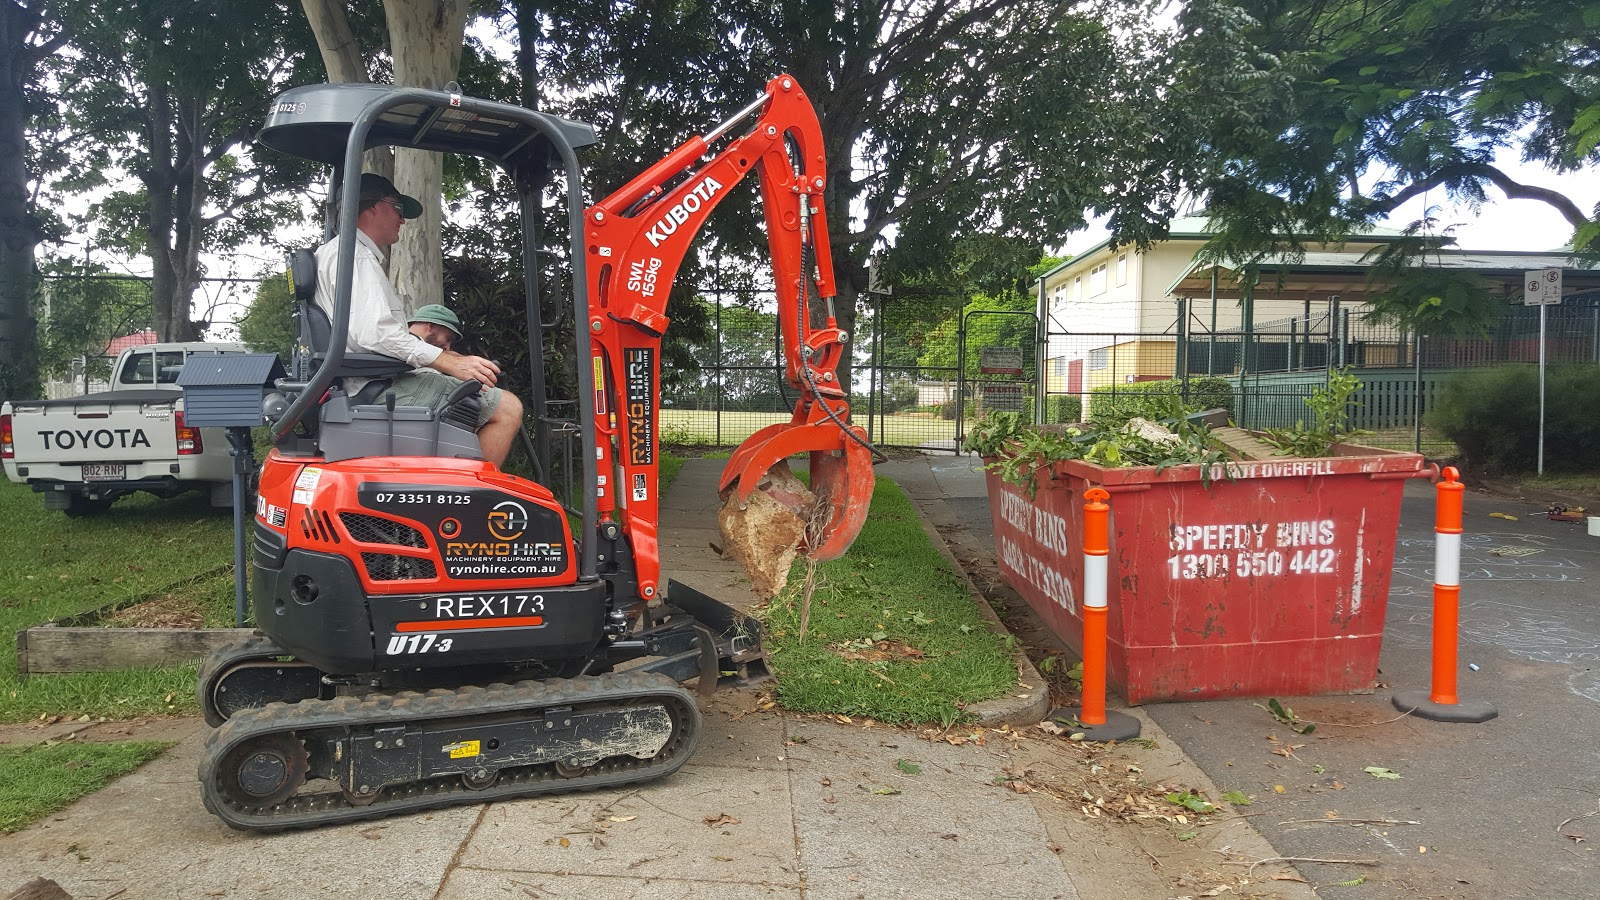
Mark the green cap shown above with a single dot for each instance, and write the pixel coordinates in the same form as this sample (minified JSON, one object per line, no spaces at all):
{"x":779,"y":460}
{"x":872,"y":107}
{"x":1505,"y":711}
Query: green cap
{"x":437,"y":314}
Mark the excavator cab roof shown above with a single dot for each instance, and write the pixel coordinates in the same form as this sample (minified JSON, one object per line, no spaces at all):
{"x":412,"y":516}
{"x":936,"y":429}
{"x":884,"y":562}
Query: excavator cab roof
{"x":314,"y":122}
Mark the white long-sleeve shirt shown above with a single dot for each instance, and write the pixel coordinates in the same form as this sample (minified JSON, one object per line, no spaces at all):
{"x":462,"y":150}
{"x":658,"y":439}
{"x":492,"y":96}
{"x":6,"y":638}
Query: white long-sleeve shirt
{"x":377,"y":316}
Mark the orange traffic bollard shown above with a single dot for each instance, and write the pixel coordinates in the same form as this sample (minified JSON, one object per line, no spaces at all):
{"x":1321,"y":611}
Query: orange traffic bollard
{"x":1442,"y":704}
{"x":1093,"y":722}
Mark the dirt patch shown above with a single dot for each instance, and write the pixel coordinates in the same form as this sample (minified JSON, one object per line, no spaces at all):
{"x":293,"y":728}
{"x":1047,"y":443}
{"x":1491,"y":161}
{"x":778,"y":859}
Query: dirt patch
{"x":877,"y":651}
{"x":165,"y":611}
{"x":55,"y":729}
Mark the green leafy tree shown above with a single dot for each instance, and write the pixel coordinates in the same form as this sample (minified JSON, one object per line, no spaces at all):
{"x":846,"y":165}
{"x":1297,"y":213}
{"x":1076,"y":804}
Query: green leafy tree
{"x":81,"y":311}
{"x":269,"y":326}
{"x":30,"y":33}
{"x":167,"y":93}
{"x":1340,"y":111}
{"x":943,"y":121}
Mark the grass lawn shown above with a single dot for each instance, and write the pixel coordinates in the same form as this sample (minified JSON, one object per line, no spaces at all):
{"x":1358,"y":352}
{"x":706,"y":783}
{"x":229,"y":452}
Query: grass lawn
{"x":38,"y":780}
{"x":893,"y":634}
{"x":55,"y":567}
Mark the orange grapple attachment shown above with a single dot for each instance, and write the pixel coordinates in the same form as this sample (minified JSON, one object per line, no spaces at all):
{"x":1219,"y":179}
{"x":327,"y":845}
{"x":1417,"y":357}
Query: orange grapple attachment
{"x":841,"y":477}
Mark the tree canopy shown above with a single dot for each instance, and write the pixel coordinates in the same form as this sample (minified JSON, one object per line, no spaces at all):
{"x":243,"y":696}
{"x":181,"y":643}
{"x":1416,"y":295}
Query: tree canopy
{"x":1346,"y":109}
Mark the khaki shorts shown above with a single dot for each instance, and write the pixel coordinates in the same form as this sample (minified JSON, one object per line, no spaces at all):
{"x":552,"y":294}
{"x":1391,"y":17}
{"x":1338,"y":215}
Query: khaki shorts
{"x":427,"y":387}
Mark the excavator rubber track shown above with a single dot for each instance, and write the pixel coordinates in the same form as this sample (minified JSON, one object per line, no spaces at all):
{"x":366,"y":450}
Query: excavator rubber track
{"x":252,"y":671}
{"x":514,"y":740}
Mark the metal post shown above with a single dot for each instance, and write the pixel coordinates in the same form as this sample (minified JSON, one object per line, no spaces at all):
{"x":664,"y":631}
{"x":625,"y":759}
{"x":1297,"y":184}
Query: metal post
{"x":1181,"y":364}
{"x":1542,"y":308}
{"x":722,"y":384}
{"x":1248,"y":349}
{"x":1416,"y":404}
{"x":1341,"y":321}
{"x":240,"y":449}
{"x":1211,"y":351}
{"x":1294,"y":345}
{"x":1041,"y":356}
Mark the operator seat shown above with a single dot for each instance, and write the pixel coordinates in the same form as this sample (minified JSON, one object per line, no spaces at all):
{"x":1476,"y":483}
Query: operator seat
{"x":369,"y":423}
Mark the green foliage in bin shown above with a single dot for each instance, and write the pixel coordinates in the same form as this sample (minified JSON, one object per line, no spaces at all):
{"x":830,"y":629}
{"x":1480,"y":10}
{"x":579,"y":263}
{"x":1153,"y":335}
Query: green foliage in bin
{"x":1019,"y":450}
{"x":1493,"y":416}
{"x":1330,"y":419}
{"x":1115,"y":404}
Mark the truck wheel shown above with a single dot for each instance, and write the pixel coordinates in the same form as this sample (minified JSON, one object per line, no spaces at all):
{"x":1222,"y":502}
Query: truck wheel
{"x":80,"y":506}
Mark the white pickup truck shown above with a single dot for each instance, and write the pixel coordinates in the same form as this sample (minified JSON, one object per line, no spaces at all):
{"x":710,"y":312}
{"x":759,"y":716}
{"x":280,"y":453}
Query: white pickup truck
{"x":84,"y":452}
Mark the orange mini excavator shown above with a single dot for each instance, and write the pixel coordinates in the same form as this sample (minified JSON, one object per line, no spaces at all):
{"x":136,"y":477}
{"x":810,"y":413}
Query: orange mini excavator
{"x":435,"y":631}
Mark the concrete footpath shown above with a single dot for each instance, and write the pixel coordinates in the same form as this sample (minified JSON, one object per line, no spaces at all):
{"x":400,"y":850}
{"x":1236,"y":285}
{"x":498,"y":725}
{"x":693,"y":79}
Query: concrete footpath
{"x":771,"y":805}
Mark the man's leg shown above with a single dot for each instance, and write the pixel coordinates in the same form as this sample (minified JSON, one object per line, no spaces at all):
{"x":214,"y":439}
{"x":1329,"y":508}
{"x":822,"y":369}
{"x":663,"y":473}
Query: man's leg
{"x":495,"y":435}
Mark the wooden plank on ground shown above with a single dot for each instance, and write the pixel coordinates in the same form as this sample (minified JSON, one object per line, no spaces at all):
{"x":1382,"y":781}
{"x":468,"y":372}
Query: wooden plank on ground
{"x":50,"y":648}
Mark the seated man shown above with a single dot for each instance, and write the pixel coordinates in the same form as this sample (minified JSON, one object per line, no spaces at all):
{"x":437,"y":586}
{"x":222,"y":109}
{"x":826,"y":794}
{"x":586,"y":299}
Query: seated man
{"x":437,"y":325}
{"x":378,"y":323}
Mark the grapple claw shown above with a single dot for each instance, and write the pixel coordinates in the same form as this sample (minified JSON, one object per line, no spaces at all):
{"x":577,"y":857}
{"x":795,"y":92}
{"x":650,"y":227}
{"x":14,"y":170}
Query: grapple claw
{"x":841,"y":479}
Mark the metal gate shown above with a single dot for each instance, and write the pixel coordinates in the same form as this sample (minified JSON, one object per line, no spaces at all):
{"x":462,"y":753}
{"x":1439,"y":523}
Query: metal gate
{"x":999,"y":368}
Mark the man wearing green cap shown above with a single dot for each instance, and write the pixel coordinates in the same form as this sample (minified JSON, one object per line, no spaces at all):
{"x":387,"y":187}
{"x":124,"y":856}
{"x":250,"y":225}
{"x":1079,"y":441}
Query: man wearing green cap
{"x":437,"y":325}
{"x":378,"y":323}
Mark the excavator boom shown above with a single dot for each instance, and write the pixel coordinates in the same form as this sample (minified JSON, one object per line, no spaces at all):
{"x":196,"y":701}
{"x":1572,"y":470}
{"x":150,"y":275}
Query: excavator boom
{"x":636,"y":240}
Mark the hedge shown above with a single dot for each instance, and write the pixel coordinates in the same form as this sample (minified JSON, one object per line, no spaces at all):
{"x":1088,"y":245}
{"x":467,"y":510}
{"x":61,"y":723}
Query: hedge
{"x":1158,"y":399}
{"x":1493,"y":416}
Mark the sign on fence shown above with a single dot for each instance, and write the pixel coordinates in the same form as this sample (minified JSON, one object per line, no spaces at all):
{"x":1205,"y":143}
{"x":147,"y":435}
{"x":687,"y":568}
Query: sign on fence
{"x":1000,"y":360}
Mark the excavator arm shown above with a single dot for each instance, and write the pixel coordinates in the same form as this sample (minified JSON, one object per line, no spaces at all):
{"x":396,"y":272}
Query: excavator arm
{"x":636,"y":240}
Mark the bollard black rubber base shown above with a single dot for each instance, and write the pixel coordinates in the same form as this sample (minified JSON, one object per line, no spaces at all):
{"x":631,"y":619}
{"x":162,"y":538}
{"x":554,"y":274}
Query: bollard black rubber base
{"x":1471,"y":711}
{"x":1117,"y":727}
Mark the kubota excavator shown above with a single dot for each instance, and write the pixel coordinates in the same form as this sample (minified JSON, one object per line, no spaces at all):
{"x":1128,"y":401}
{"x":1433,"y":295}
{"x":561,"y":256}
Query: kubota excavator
{"x":435,"y":631}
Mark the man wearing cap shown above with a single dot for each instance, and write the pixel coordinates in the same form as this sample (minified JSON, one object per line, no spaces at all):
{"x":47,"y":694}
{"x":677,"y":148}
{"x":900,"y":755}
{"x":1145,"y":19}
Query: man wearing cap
{"x":437,"y":325}
{"x":378,"y":323}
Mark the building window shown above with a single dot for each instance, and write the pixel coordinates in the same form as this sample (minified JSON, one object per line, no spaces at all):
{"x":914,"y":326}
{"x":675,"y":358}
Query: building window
{"x":1097,"y":281}
{"x":1122,"y":270}
{"x":1058,"y":366}
{"x":1077,"y":288}
{"x":1099,"y":358}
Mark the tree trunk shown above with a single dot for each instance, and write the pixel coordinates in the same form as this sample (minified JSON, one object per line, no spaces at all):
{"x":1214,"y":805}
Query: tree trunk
{"x":345,"y":62}
{"x":19,"y":361}
{"x":425,"y":37}
{"x":341,"y":56}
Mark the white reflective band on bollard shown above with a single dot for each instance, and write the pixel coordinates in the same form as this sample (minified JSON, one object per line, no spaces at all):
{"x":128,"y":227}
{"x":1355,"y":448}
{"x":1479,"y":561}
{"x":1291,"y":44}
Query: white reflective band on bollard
{"x":1447,"y":560}
{"x":1094,"y":581}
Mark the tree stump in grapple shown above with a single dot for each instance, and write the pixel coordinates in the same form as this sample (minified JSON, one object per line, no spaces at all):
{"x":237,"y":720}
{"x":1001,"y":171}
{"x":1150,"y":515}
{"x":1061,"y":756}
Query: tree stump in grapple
{"x":765,"y":536}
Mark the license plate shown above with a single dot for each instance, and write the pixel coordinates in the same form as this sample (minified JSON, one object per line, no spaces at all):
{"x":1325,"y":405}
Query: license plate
{"x":104,"y":472}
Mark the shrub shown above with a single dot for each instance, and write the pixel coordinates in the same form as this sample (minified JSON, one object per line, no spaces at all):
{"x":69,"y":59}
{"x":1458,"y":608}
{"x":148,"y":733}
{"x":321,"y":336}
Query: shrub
{"x":1064,"y":408}
{"x":1493,"y":416}
{"x":1211,"y":393}
{"x":1114,"y":404}
{"x":899,"y":394}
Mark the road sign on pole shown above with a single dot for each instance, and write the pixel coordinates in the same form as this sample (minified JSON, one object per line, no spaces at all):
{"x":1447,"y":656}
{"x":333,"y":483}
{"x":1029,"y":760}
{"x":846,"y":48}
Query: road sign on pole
{"x":1541,"y":288}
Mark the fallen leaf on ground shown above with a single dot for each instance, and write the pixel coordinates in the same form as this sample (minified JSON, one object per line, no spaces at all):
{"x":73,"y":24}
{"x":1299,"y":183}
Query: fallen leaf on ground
{"x":720,"y":820}
{"x":1381,"y":772}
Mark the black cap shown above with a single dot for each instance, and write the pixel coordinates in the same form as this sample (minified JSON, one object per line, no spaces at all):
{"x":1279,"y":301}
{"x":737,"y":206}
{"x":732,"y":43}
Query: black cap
{"x":375,"y":188}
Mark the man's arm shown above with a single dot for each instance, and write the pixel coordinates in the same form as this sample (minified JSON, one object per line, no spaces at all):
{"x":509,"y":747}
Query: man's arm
{"x":467,"y":368}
